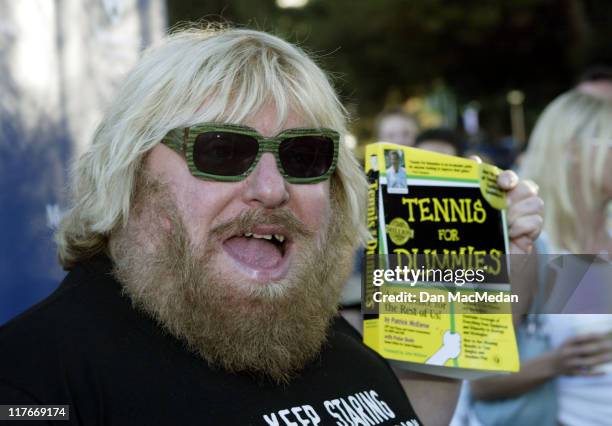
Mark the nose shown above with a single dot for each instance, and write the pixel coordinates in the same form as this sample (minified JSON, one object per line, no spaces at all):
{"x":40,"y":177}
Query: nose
{"x":266,"y":187}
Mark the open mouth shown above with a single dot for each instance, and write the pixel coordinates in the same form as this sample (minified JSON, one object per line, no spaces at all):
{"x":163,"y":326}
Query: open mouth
{"x":262,"y":253}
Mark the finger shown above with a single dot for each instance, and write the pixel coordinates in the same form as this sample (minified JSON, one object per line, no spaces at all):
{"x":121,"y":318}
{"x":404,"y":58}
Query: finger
{"x":521,"y":245}
{"x":507,"y":180}
{"x":523,"y":189}
{"x":591,"y":373}
{"x":597,"y":347}
{"x":587,"y":355}
{"x":525,"y":207}
{"x":587,"y":363}
{"x":586,"y":372}
{"x":587,"y":338}
{"x":476,"y":158}
{"x":526,"y":226}
{"x":593,"y":361}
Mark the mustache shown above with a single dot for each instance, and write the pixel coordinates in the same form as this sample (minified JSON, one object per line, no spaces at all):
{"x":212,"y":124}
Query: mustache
{"x":249,"y":219}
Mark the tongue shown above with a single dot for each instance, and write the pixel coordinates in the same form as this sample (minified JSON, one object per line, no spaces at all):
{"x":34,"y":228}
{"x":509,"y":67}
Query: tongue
{"x":255,"y":252}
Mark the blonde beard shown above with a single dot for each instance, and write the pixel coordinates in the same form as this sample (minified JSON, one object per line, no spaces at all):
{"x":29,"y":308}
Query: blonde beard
{"x":271,"y":332}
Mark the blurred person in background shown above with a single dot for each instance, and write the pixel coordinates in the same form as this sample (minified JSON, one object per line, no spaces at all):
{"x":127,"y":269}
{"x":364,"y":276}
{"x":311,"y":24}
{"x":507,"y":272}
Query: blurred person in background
{"x":442,"y":140}
{"x":527,"y":397}
{"x":570,"y":157}
{"x":502,"y":152}
{"x":395,"y":125}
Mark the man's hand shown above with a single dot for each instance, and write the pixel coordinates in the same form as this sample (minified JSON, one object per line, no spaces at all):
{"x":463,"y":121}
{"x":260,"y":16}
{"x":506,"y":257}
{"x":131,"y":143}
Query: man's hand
{"x":525,"y":211}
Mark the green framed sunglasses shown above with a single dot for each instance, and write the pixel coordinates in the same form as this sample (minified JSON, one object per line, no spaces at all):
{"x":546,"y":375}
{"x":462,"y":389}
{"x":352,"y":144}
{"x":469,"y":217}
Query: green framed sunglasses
{"x":230,"y":152}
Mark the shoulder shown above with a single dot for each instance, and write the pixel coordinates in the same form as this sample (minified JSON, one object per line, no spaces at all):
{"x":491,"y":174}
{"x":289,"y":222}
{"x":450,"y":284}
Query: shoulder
{"x":43,"y":345}
{"x":81,"y":295}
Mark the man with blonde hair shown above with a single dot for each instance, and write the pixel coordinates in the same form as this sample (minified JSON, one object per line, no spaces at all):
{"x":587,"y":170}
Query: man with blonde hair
{"x":214,"y":220}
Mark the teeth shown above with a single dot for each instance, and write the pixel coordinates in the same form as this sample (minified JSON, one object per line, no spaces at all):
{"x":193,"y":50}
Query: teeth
{"x":265,"y":236}
{"x":280,"y":238}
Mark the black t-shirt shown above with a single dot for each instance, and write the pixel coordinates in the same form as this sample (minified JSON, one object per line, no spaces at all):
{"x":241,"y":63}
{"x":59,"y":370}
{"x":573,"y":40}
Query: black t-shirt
{"x":87,"y":347}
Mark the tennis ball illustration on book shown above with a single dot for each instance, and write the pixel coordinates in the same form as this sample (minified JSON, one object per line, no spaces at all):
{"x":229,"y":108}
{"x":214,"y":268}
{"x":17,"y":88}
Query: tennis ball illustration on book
{"x":399,"y":231}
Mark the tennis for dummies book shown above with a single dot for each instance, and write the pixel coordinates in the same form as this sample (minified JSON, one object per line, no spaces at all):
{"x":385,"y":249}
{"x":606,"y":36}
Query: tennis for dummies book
{"x":436,"y":292}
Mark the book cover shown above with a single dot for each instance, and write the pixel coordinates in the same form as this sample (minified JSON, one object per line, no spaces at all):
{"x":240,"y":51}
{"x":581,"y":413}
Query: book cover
{"x":436,"y":294}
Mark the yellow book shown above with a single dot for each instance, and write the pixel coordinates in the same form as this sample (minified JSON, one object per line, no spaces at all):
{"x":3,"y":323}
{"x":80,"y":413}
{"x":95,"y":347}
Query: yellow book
{"x":436,"y":293}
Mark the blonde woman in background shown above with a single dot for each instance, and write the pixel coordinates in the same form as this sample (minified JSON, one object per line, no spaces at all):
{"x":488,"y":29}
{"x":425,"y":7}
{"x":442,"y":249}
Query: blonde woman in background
{"x":570,"y":158}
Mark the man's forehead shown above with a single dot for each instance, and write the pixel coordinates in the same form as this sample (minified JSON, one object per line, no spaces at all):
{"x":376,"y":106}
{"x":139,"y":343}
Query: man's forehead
{"x":268,"y":121}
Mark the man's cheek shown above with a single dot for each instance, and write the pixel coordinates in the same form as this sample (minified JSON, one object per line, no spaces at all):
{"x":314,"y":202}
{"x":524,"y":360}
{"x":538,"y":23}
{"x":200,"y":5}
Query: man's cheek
{"x":317,"y":206}
{"x":194,"y":224}
{"x":322,"y":223}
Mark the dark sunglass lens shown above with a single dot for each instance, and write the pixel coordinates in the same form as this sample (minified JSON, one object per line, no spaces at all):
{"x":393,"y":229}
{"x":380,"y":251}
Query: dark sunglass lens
{"x":306,"y":156}
{"x":224,"y":153}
